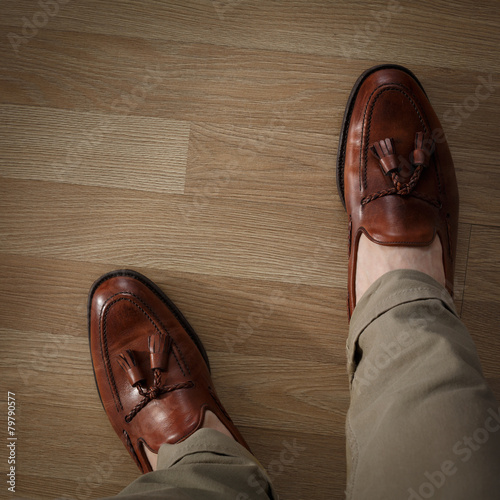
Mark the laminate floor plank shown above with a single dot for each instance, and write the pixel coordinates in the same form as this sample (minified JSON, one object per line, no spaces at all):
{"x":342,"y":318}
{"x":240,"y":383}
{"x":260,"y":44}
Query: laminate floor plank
{"x":354,"y":30}
{"x":93,"y":149}
{"x":480,"y":310}
{"x":256,"y":240}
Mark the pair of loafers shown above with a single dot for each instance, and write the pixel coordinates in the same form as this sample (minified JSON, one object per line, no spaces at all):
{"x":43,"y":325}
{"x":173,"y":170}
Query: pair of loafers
{"x":396,"y":179}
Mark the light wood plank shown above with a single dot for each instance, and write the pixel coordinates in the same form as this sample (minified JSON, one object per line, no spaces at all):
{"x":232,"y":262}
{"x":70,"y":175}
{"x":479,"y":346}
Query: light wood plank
{"x":93,"y":149}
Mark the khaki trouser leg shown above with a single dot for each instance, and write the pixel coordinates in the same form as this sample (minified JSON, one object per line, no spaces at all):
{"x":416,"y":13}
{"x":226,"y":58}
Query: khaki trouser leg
{"x":423,"y":422}
{"x":206,"y":466}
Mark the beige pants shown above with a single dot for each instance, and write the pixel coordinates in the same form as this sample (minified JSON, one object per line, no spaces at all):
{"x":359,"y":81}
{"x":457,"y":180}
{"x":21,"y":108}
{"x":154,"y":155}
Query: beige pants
{"x":422,"y":422}
{"x":206,"y":466}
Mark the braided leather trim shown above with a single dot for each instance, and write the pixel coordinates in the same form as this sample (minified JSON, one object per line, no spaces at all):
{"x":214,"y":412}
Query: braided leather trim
{"x":385,"y":152}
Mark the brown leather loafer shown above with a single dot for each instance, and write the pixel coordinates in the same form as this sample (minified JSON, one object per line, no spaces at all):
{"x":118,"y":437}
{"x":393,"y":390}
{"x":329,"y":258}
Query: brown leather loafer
{"x":395,"y":173}
{"x":151,"y":370}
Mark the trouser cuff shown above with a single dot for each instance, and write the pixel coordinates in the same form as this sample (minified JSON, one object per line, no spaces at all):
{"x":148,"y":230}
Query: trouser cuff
{"x":390,"y":290}
{"x":202,"y":441}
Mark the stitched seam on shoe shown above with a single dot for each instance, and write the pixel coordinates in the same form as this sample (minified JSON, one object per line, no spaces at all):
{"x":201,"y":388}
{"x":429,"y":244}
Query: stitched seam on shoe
{"x":105,"y":356}
{"x":132,"y":451}
{"x":181,"y":354}
{"x":435,"y":161}
{"x":363,"y":153}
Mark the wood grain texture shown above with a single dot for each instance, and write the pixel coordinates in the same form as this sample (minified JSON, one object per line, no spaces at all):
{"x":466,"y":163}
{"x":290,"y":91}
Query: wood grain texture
{"x":481,"y":311}
{"x":195,"y":142}
{"x":93,"y":149}
{"x":256,"y":240}
{"x":355,"y":30}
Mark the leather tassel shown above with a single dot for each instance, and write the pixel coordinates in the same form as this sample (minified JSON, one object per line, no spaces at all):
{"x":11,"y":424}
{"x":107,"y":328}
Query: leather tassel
{"x":159,"y":349}
{"x":385,"y":152}
{"x":127,"y":361}
{"x":424,"y":147}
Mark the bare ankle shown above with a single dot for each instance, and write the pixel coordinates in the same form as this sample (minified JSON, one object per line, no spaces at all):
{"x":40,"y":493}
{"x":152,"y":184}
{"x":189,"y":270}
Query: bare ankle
{"x":211,"y":421}
{"x":374,"y":260}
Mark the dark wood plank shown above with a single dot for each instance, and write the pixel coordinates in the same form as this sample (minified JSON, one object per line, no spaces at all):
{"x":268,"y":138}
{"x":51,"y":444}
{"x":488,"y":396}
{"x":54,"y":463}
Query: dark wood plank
{"x":480,"y":310}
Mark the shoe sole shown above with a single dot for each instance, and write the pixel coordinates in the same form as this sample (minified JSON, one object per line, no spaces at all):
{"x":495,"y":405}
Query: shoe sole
{"x":347,"y":119}
{"x":155,"y":289}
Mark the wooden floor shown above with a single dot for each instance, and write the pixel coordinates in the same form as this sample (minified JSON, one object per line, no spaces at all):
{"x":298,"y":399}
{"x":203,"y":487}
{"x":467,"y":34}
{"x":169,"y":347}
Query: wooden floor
{"x":195,"y":142}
